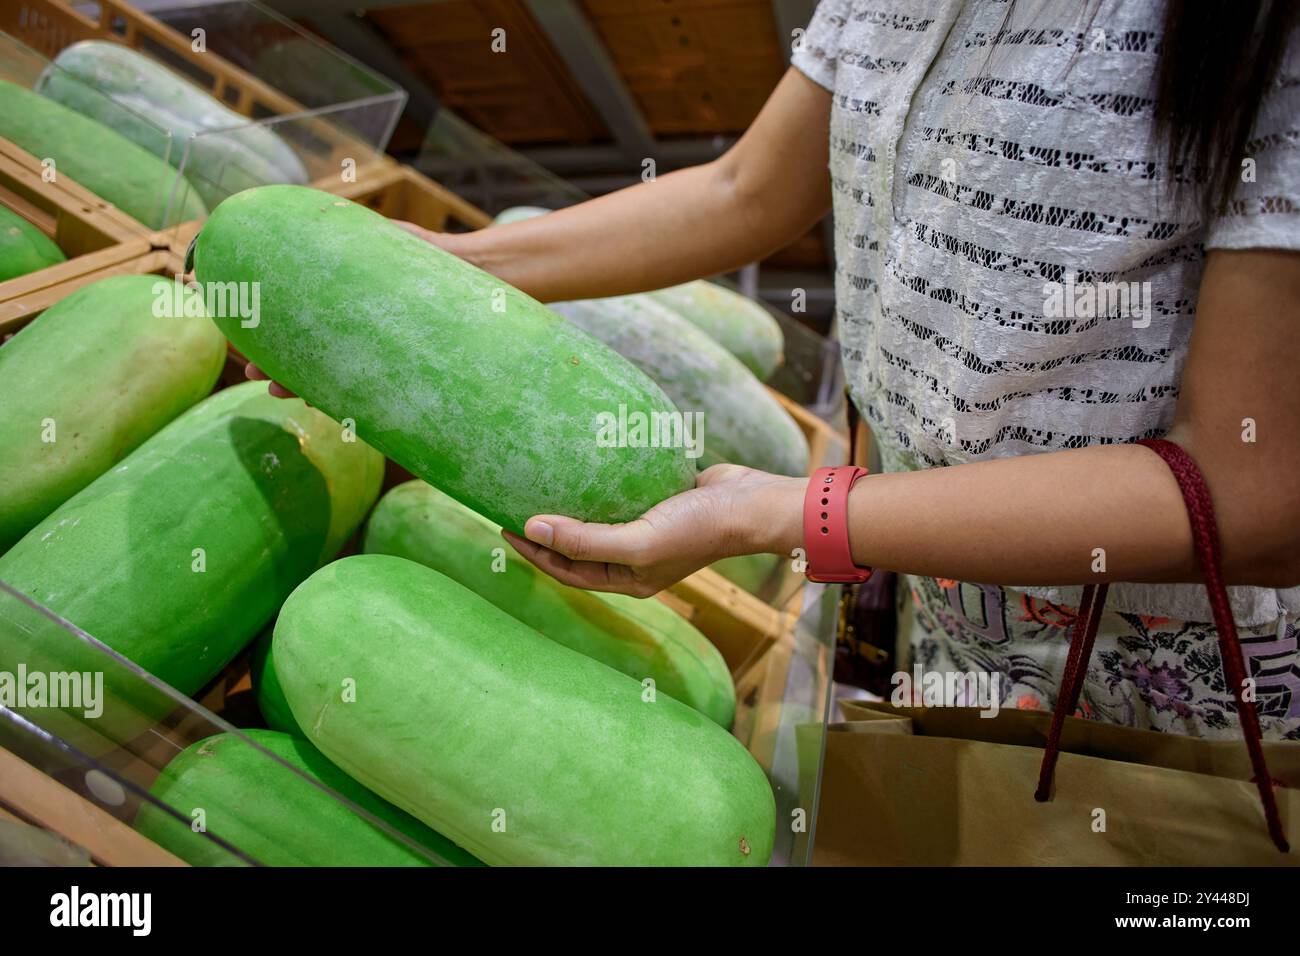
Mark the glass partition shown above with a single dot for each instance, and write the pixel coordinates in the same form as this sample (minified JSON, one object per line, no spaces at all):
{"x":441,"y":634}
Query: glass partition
{"x":265,"y":101}
{"x":93,"y":723}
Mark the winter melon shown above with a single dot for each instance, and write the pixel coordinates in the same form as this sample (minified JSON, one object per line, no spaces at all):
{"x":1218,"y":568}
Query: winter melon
{"x":742,"y":423}
{"x":98,"y":157}
{"x":23,"y":247}
{"x":86,"y":382}
{"x":742,"y":326}
{"x":176,"y":557}
{"x":270,"y":815}
{"x":171,"y":117}
{"x":519,"y":750}
{"x":463,"y":380}
{"x":642,"y":638}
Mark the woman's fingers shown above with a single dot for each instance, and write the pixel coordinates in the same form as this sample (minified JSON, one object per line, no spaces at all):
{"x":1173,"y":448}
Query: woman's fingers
{"x":255,"y":374}
{"x":590,"y":541}
{"x":425,"y":234}
{"x":591,"y":575}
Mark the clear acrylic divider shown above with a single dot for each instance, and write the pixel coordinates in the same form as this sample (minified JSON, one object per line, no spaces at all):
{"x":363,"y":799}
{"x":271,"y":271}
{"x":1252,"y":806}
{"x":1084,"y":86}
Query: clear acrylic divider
{"x":790,"y":728}
{"x":107,"y":730}
{"x":23,"y":66}
{"x":299,"y":110}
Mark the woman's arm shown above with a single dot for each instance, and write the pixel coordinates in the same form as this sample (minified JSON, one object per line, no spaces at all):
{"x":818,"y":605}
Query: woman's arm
{"x":1034,"y":519}
{"x":763,"y":193}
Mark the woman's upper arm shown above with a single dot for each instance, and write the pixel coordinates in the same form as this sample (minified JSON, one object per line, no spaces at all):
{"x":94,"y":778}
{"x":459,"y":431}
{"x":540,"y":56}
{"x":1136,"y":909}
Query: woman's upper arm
{"x":1239,"y":408}
{"x":777,"y":171}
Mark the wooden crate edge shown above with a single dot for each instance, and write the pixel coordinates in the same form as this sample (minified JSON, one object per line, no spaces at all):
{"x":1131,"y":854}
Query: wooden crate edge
{"x":53,"y":806}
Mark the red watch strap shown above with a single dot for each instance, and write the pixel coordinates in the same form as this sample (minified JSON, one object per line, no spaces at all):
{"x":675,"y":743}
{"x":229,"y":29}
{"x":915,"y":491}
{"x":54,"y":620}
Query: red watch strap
{"x":826,"y":526}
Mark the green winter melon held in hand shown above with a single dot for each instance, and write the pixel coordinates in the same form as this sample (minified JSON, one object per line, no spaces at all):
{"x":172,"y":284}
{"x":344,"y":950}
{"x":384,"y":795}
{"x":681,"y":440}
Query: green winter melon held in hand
{"x":458,"y":377}
{"x":520,"y":750}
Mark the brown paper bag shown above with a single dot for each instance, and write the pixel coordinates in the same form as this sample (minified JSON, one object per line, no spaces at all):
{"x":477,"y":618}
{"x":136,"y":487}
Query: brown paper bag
{"x":908,"y":786}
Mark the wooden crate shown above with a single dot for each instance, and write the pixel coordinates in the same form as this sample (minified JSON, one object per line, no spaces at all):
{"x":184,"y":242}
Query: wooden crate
{"x":18,"y":311}
{"x":37,"y":800}
{"x":400,"y":192}
{"x":82,"y":225}
{"x":760,"y":695}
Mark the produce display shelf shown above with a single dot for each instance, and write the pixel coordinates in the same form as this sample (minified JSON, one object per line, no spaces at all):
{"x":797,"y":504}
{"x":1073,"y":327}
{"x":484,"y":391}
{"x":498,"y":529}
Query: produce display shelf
{"x":779,"y":651}
{"x":88,"y":230}
{"x":780,"y":657}
{"x":247,"y":57}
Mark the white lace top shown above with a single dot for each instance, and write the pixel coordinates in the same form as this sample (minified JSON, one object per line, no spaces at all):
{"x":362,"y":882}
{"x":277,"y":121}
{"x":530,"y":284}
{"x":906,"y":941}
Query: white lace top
{"x":1011,"y":277}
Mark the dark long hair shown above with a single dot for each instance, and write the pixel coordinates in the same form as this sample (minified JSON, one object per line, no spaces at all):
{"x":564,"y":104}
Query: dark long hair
{"x":1217,"y":60}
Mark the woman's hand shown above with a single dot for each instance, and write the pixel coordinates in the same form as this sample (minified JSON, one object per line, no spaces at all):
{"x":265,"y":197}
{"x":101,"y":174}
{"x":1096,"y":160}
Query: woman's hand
{"x":453,"y":242}
{"x":731,"y":510}
{"x":255,"y":374}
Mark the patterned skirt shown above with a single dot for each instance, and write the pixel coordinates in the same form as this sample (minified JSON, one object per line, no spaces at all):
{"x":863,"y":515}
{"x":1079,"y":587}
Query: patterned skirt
{"x":1146,"y":672}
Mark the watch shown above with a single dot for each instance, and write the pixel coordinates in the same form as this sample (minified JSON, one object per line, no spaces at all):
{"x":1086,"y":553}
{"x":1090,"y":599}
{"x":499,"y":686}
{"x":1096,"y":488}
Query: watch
{"x":826,"y":526}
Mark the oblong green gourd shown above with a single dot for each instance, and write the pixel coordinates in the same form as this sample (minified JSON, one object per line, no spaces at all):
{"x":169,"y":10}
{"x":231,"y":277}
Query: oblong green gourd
{"x":266,"y":688}
{"x":742,"y":326}
{"x":458,"y":377}
{"x":516,"y":748}
{"x":104,"y":161}
{"x":89,"y":380}
{"x":171,"y":117}
{"x":743,"y":423}
{"x":273,"y":816}
{"x":176,"y":557}
{"x":23,"y":247}
{"x":640,"y":638}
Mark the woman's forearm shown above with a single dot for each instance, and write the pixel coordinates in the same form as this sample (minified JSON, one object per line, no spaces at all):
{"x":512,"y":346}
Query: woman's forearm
{"x":678,"y":227}
{"x":1108,"y":513}
{"x":768,"y":189}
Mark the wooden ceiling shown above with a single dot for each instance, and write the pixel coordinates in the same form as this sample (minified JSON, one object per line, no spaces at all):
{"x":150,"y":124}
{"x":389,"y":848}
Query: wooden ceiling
{"x":694,"y":67}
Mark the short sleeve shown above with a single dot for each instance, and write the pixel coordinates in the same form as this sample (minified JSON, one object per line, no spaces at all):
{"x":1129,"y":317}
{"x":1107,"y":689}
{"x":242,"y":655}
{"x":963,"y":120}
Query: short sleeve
{"x":817,"y":50}
{"x":1266,"y":212}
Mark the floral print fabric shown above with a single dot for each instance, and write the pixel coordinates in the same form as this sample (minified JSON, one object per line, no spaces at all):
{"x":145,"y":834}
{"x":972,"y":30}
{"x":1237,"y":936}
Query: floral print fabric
{"x":1151,"y":673}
